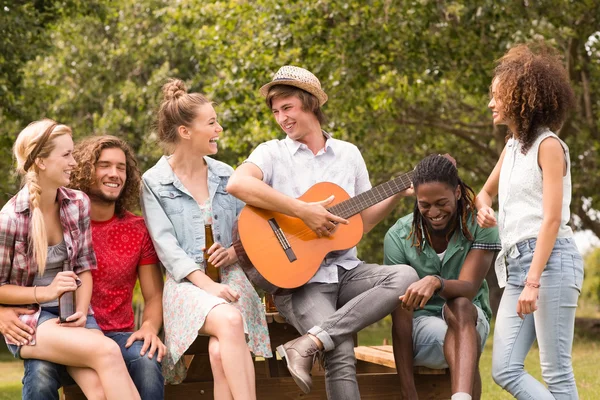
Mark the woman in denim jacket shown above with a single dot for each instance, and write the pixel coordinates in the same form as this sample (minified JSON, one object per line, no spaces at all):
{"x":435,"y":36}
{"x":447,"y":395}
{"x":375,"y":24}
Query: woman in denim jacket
{"x":180,"y":194}
{"x":539,"y":262}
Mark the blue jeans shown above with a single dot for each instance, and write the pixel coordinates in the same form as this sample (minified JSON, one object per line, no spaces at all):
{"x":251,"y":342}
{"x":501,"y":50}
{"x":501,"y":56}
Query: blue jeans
{"x":552,"y":324}
{"x":42,"y":379}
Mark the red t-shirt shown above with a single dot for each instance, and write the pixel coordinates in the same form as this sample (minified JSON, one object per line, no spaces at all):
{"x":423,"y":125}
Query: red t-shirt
{"x":121,"y":245}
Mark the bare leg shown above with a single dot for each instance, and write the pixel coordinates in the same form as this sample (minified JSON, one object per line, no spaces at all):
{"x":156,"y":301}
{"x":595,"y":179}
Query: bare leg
{"x":461,"y":345}
{"x":226,"y":324}
{"x":402,"y":327}
{"x":89,"y":382}
{"x":221,"y":387}
{"x":86,"y":348}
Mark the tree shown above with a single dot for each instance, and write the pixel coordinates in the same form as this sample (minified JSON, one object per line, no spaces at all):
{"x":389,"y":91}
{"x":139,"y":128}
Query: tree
{"x":405,"y":79}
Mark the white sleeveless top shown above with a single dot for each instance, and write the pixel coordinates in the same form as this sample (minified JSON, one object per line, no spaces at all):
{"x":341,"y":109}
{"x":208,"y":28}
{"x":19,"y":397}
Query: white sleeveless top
{"x":520,"y":198}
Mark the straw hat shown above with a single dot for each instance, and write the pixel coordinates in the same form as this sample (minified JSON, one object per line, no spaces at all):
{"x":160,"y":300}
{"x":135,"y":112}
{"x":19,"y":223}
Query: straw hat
{"x":298,"y":77}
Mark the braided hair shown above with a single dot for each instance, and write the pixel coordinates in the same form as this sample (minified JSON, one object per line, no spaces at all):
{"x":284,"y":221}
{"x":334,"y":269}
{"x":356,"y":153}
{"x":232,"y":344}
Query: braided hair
{"x":437,"y":168}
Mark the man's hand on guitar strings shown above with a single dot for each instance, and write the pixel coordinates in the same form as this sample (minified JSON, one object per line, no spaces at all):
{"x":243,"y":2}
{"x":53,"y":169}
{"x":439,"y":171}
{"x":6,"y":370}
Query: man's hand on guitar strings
{"x":316,"y":216}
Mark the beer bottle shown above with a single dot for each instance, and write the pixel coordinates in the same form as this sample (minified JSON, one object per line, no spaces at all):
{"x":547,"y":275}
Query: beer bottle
{"x":209,"y":269}
{"x":66,"y":301}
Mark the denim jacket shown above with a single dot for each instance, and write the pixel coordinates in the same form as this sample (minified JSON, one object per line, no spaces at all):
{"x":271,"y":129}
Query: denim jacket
{"x":174,"y":220}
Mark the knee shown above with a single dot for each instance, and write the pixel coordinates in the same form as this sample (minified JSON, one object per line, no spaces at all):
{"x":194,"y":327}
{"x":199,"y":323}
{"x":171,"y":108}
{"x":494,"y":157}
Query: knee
{"x":460,"y":313}
{"x":107,"y":352}
{"x":230,"y":322}
{"x":403,"y":277}
{"x":503,"y":374}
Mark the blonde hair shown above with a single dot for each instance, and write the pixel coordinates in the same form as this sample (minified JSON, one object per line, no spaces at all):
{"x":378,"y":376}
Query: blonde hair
{"x":25,"y":145}
{"x":177,"y":108}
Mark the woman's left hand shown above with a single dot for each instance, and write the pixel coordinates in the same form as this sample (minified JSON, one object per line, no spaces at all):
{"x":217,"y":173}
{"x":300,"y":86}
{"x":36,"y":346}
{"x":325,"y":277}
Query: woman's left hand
{"x":76,"y":320}
{"x":527,"y":303}
{"x":220,"y":256}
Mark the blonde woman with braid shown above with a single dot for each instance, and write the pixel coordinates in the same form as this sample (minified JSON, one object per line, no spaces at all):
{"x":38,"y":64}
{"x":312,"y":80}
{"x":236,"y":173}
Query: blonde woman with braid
{"x":43,"y":228}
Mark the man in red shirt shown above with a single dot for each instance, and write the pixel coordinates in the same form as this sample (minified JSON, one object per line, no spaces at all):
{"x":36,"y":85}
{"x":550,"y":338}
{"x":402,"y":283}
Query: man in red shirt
{"x":107,"y":172}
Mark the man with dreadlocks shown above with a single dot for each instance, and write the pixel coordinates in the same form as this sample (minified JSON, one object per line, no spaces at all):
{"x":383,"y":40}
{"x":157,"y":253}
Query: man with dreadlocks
{"x":447,"y":311}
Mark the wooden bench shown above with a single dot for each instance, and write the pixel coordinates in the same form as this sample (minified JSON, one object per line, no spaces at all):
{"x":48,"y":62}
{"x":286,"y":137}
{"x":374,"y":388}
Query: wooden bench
{"x":376,"y":374}
{"x":431,"y":384}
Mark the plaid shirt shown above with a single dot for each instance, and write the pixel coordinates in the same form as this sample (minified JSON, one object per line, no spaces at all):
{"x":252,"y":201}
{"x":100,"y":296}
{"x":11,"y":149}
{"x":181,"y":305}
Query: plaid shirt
{"x":17,"y":265}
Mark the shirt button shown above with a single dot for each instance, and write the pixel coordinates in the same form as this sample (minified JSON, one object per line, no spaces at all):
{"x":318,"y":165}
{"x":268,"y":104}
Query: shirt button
{"x":216,"y":216}
{"x":218,"y":237}
{"x":171,"y":195}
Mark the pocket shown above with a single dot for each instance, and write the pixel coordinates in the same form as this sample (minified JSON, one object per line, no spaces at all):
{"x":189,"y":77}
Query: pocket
{"x":171,"y":201}
{"x":573,"y":268}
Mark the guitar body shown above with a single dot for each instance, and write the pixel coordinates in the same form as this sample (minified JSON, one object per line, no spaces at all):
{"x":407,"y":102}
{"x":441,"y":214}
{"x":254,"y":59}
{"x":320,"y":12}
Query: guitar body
{"x":279,"y":253}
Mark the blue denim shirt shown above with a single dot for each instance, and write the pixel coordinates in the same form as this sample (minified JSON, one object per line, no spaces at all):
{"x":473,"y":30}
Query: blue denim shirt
{"x":174,"y":220}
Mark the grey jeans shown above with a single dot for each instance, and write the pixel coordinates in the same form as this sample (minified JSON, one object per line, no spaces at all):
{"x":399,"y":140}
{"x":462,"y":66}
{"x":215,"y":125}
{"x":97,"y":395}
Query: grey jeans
{"x":333,"y":312}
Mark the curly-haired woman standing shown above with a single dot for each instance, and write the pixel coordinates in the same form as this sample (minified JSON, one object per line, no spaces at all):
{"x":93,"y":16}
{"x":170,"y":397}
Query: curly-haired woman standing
{"x":539,"y":262}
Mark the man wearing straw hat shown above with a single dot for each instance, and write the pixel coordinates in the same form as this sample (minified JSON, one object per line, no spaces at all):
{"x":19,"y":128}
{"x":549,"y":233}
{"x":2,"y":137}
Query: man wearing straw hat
{"x":346,"y":294}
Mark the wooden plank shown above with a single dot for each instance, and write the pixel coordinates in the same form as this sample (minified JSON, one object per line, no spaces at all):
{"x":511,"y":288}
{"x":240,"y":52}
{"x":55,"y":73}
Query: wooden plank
{"x":384,"y":355}
{"x":374,"y":355}
{"x":372,"y":387}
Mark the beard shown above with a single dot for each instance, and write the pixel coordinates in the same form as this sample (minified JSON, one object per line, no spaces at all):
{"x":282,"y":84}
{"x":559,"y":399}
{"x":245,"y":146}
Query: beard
{"x":445,"y":231}
{"x":100,"y":197}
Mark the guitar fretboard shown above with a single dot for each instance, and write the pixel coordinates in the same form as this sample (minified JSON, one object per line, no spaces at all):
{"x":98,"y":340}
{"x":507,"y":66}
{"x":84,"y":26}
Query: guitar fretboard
{"x":356,"y":204}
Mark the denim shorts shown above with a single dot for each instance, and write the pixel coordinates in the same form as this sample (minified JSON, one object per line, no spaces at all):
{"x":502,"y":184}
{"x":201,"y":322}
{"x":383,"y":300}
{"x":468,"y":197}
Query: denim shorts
{"x":46,"y":314}
{"x":429,"y":332}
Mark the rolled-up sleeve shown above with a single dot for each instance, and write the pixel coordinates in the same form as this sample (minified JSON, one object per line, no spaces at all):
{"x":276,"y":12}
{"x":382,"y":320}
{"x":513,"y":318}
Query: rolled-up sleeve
{"x":263,"y":159}
{"x":7,"y":245}
{"x":86,"y":256}
{"x":170,"y":253}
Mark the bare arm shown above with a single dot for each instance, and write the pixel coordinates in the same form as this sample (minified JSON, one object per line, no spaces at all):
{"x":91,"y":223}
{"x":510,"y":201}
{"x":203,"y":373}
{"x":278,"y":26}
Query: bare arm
{"x":151,"y":284}
{"x":469,"y":281}
{"x":551,"y":159}
{"x":471,"y":276}
{"x":483,"y":201}
{"x":246,"y":184}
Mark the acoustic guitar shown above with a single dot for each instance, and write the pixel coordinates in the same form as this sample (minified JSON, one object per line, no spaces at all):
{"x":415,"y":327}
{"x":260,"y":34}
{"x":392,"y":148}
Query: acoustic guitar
{"x":279,"y":253}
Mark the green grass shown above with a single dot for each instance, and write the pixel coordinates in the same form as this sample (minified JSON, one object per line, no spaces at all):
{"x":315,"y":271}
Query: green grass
{"x":586,"y":358}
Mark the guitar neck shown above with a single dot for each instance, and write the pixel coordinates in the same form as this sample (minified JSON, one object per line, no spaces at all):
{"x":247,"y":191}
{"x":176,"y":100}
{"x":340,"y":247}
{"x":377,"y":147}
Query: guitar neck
{"x":356,"y":204}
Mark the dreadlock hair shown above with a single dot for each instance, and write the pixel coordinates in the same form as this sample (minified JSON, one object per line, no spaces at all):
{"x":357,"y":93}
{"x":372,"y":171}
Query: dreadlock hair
{"x":437,"y":168}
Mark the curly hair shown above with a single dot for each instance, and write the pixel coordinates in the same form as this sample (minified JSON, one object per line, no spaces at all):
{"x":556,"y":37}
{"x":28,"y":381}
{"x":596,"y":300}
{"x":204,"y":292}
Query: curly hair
{"x":437,"y":168}
{"x":83,"y":177}
{"x":534,"y":89}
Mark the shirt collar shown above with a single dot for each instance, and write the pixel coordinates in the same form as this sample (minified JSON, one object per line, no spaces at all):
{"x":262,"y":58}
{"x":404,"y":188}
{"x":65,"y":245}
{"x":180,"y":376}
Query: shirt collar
{"x":452,"y":239}
{"x":293,"y":145}
{"x":22,"y":201}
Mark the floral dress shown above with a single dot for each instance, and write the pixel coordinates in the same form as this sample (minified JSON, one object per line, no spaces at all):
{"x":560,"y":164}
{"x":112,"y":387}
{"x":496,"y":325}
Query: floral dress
{"x":186,"y":306}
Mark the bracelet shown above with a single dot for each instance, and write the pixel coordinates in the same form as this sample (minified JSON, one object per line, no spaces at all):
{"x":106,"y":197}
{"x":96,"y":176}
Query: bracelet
{"x":441,"y":288}
{"x":532,"y":285}
{"x":35,"y":296}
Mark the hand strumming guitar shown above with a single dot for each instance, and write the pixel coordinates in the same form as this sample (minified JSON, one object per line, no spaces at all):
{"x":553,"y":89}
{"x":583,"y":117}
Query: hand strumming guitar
{"x":318,"y":218}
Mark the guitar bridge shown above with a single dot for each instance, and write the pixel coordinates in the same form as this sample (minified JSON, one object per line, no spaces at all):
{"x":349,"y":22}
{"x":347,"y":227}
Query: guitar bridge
{"x":283,"y":242}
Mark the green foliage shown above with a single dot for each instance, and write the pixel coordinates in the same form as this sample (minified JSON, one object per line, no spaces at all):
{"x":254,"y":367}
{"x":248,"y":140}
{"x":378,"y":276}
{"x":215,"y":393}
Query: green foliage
{"x":404,"y":78}
{"x":591,"y":281}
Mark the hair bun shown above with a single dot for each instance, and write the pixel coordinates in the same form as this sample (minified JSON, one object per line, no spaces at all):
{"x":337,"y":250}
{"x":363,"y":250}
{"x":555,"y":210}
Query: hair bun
{"x":174,"y":89}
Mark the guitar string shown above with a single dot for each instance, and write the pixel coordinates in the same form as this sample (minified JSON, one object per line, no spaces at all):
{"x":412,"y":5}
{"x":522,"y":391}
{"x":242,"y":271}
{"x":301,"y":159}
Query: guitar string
{"x":359,"y":203}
